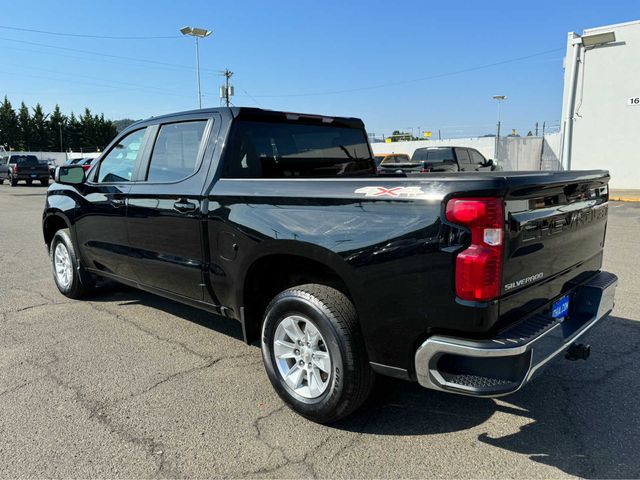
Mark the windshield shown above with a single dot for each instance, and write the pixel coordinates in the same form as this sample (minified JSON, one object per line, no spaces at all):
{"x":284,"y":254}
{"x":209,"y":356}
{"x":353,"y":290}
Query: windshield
{"x":275,"y":150}
{"x":437,"y":155}
{"x":28,"y":160}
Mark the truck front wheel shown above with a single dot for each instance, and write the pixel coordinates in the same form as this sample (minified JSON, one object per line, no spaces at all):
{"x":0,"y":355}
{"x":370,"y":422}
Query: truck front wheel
{"x":71,"y":279}
{"x":314,"y":354}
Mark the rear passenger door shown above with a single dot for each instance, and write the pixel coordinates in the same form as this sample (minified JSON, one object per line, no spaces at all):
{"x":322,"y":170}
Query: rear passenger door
{"x":464,"y":160}
{"x":164,"y":208}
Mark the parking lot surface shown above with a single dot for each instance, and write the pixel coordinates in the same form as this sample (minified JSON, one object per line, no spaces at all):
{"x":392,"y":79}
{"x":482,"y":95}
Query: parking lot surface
{"x":128,"y":384}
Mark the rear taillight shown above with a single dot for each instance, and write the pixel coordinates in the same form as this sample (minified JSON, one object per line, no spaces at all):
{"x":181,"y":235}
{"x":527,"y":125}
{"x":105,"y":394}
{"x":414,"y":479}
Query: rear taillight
{"x":479,"y":267}
{"x":425,"y":170}
{"x":15,"y":169}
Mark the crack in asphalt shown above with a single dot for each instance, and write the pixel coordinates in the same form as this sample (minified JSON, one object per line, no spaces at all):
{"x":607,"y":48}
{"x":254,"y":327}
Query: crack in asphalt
{"x":151,"y":333}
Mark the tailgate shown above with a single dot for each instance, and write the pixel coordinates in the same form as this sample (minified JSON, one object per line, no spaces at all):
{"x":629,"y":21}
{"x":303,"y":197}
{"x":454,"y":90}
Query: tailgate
{"x":555,"y":230}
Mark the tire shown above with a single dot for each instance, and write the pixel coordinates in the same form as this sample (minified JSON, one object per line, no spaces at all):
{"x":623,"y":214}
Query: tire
{"x":1,"y":181}
{"x":29,"y":182}
{"x":77,"y":282}
{"x":13,"y":181}
{"x":316,"y":394}
{"x":44,"y":182}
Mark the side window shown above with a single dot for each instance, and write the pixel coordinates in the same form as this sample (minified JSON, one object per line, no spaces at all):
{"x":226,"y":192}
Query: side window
{"x":175,"y":153}
{"x":120,"y":162}
{"x":477,"y":157}
{"x":463,"y":157}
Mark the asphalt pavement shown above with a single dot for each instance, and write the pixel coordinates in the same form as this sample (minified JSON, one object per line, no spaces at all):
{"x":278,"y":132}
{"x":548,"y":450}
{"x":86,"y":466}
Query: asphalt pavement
{"x":128,"y":384}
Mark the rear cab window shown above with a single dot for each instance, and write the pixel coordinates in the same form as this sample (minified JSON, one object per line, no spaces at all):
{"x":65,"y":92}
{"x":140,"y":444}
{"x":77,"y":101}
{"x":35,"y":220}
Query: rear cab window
{"x":24,"y":160}
{"x":272,"y":149}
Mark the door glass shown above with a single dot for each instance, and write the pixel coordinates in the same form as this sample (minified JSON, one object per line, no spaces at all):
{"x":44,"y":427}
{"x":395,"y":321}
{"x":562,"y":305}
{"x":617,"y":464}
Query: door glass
{"x":477,"y":158}
{"x":120,"y":162}
{"x":463,"y":157}
{"x":175,"y":153}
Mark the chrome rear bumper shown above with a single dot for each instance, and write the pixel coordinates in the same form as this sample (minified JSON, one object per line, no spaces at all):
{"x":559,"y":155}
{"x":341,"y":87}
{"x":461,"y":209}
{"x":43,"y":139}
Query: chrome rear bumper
{"x":503,"y":364}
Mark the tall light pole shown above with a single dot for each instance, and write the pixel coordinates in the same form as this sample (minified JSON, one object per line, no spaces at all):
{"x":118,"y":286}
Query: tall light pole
{"x":499,"y":99}
{"x":198,"y":33}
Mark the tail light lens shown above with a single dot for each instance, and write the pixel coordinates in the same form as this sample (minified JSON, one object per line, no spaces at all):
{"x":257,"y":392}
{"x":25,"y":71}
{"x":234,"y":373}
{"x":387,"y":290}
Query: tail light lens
{"x":479,"y":267}
{"x":15,"y":169}
{"x":425,"y":170}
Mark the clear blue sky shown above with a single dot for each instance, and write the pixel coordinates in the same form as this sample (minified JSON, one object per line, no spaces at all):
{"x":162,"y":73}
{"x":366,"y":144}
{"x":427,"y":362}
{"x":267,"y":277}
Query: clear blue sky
{"x":379,"y":57}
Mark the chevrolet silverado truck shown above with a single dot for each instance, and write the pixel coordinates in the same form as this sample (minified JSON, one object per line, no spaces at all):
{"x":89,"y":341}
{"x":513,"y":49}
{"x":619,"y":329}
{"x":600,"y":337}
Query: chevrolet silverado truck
{"x":467,"y":283}
{"x":24,"y":167}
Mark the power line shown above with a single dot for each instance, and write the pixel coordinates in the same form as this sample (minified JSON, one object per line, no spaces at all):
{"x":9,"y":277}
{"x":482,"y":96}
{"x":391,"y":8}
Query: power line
{"x":107,"y":55}
{"x":78,"y":35}
{"x":420,"y":79}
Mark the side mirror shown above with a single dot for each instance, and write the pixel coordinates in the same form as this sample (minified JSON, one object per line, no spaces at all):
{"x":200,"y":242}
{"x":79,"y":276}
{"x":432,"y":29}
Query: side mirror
{"x":490,"y":163}
{"x":70,"y":175}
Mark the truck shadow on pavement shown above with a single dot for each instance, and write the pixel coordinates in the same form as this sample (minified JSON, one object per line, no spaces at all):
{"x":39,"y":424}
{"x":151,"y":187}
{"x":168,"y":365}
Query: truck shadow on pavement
{"x":580,"y":417}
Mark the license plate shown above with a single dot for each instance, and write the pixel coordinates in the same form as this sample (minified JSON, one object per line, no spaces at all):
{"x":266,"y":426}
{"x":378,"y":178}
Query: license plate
{"x":34,"y":175}
{"x":560,"y":308}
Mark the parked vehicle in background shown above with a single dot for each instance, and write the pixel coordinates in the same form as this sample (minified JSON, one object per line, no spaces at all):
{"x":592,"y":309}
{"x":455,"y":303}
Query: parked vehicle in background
{"x":24,"y":167}
{"x":441,"y":159}
{"x":391,"y":158}
{"x":85,"y":162}
{"x":51,"y":165}
{"x":465,"y":283}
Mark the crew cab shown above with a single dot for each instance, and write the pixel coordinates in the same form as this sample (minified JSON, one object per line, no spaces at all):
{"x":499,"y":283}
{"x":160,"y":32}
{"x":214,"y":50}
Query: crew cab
{"x":24,"y":167}
{"x":441,"y":159}
{"x":465,"y":283}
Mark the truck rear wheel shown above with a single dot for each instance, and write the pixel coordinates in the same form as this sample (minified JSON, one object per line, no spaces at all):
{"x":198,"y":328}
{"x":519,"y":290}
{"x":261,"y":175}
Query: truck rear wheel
{"x":314,"y":354}
{"x":70,"y":277}
{"x":13,"y":181}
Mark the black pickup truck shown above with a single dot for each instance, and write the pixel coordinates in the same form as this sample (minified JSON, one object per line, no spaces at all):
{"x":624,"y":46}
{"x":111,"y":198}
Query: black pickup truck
{"x":24,"y":167}
{"x":466,"y":283}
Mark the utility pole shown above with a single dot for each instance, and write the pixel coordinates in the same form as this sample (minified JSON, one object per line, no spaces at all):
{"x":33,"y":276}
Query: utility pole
{"x":536,"y":129}
{"x":226,"y":91}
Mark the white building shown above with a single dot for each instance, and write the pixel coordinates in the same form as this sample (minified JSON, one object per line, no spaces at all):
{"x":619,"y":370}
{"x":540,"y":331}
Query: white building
{"x":601,"y":103}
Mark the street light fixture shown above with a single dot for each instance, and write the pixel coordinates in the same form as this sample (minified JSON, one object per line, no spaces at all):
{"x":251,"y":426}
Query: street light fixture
{"x":198,"y":33}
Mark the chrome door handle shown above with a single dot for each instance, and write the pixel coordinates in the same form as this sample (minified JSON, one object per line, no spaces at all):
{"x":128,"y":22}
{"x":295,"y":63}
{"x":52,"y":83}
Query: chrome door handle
{"x":184,"y":207}
{"x":118,"y":202}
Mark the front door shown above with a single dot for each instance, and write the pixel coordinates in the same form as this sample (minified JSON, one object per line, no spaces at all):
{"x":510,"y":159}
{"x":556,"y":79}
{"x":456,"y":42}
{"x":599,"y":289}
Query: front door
{"x":100,"y":225}
{"x":165,"y":210}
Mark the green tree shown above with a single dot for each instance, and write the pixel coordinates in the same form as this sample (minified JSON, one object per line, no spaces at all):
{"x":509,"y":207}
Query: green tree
{"x":56,"y":127}
{"x":8,"y":125}
{"x":123,"y":123}
{"x":73,"y":139}
{"x":39,"y":130}
{"x":107,"y":130}
{"x":88,"y":130}
{"x":24,"y":128}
